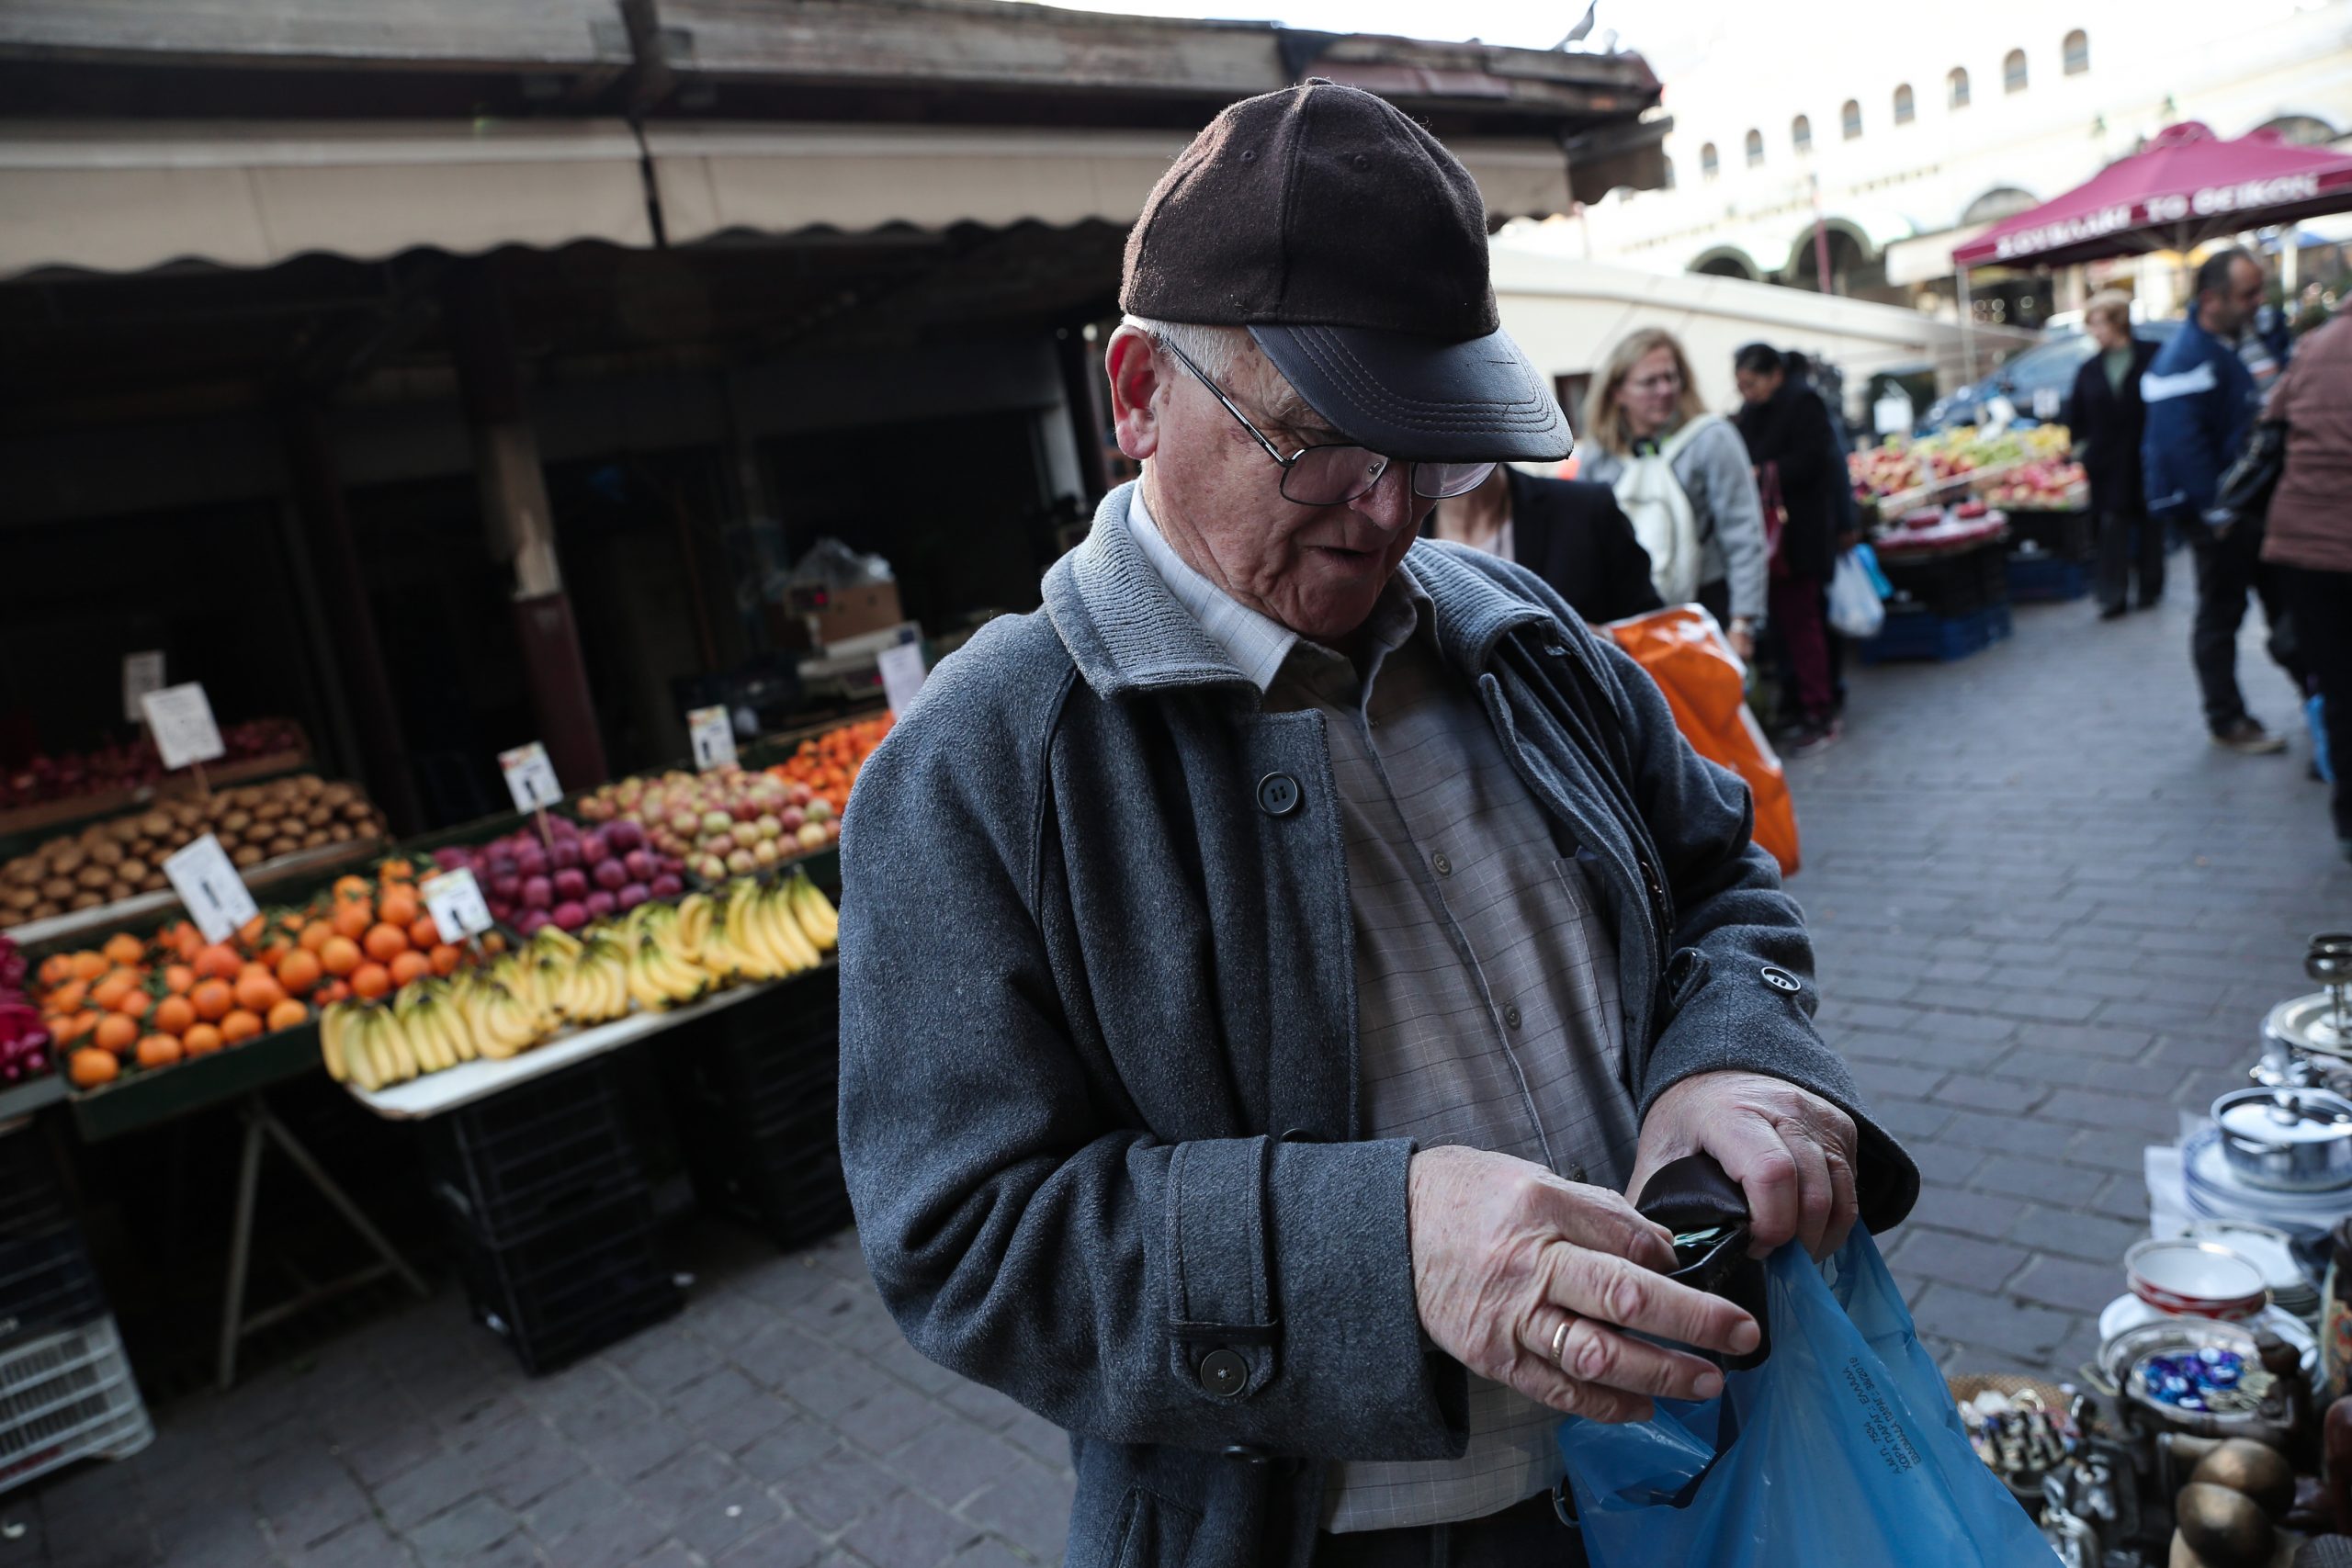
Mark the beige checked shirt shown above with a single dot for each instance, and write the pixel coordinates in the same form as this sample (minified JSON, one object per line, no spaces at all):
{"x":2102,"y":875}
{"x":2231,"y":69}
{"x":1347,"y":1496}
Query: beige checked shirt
{"x":1488,"y":1011}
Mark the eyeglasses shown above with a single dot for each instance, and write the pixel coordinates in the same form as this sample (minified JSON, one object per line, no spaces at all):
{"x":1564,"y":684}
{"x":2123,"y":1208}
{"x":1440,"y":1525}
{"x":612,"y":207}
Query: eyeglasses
{"x":1335,"y":475}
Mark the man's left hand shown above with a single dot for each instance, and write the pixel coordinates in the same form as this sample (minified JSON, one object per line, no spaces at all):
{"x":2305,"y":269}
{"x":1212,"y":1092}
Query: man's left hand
{"x":1791,"y":1153}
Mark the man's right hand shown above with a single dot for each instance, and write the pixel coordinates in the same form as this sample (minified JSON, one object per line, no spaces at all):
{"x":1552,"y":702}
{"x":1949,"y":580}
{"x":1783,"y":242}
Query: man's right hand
{"x":1510,"y":1260}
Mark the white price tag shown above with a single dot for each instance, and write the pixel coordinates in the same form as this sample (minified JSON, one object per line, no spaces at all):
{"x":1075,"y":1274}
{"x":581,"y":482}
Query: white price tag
{"x":210,"y":889}
{"x":2047,"y":401}
{"x":1893,"y":414}
{"x":902,"y":675}
{"x":180,"y":718}
{"x":713,"y":734}
{"x":530,"y":777}
{"x":142,"y":673}
{"x":454,"y":900}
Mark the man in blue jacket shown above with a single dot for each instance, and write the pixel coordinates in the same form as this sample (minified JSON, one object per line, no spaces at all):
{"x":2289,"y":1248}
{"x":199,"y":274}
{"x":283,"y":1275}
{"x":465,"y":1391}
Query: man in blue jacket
{"x":2202,"y":400}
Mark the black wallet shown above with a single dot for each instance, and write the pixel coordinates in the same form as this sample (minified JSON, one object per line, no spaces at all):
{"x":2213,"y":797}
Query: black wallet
{"x":1708,"y":1214}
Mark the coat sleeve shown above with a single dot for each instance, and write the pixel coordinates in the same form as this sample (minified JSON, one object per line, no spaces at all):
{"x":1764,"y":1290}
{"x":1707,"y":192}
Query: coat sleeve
{"x":2188,"y":426}
{"x":1625,"y":566}
{"x":1720,"y":458}
{"x":1025,"y":1230}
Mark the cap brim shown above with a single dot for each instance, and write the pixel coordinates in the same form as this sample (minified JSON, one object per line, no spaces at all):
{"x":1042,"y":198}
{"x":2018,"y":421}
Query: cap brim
{"x":1423,"y":401}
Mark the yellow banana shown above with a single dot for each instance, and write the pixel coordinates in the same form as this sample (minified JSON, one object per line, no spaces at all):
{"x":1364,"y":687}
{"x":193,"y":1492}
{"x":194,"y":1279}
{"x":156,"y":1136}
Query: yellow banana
{"x":331,"y":1042}
{"x":785,"y":936}
{"x":815,"y":912}
{"x":359,"y":1035}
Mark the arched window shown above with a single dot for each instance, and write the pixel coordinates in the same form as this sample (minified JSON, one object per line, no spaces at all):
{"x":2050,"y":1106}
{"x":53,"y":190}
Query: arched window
{"x":2077,"y":48}
{"x":2013,"y":72}
{"x":1956,"y":88}
{"x":1755,"y":149}
{"x":1850,"y":119}
{"x":2300,"y":129}
{"x":1709,"y":164}
{"x":1801,"y":133}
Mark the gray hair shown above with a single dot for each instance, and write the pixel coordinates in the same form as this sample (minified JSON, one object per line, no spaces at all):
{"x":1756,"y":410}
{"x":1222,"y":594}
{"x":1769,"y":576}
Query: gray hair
{"x":1227,"y":354}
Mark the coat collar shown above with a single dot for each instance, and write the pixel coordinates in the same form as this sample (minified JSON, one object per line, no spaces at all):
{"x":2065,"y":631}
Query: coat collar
{"x":1129,"y":634}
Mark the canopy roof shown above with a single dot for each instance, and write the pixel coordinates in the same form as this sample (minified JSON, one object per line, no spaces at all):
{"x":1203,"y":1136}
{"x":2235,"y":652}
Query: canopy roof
{"x":2184,"y":187}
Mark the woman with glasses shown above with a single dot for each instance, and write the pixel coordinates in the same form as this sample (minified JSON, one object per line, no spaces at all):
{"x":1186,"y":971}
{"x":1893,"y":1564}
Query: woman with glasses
{"x":1682,"y":476}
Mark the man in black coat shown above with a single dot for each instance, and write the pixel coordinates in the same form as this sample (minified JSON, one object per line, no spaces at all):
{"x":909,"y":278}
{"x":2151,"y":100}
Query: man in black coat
{"x":2109,"y":419}
{"x":1571,"y":533}
{"x":1794,"y":446}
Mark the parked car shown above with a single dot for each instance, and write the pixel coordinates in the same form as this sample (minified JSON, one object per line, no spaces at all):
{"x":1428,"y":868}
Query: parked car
{"x":2036,"y":381}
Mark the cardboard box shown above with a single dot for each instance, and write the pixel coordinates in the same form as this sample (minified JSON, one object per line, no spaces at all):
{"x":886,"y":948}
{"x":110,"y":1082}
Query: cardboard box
{"x":831,"y":618}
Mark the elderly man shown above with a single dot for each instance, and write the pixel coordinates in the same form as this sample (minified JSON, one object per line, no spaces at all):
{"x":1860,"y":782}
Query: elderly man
{"x":1265,"y":968}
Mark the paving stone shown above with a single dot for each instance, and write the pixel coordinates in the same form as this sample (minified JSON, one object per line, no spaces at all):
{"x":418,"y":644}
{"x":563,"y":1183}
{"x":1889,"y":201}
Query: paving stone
{"x":788,"y":1543}
{"x":797,"y":1444}
{"x":2068,"y":1285}
{"x":950,"y":1462}
{"x":464,"y":1534}
{"x":421,"y":1490}
{"x":909,"y":1533}
{"x":714,"y":1525}
{"x":2089,"y":1238}
{"x":838,"y":1489}
{"x":1030,"y":1508}
{"x":1959,"y":1260}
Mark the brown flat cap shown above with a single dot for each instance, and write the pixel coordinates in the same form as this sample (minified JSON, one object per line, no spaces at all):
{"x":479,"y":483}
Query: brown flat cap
{"x":1354,"y":247}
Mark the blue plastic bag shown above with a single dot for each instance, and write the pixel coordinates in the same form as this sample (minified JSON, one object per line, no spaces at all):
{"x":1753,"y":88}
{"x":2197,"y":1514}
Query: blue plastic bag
{"x":2315,"y":716}
{"x":1845,"y":1452}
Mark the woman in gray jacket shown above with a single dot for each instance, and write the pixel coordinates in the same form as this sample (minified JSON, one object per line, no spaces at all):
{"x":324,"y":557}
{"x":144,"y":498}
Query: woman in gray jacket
{"x":1644,"y":402}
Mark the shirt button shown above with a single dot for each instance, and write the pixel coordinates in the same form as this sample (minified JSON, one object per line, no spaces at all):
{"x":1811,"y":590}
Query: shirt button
{"x":1576,"y":1173}
{"x":1278,"y":794}
{"x":1442,"y":865}
{"x":1781,"y":979}
{"x":1510,"y":1016}
{"x":1223,"y":1373}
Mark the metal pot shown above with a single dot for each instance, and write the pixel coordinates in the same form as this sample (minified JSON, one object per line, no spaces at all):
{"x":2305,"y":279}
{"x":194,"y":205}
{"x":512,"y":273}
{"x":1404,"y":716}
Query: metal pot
{"x":2290,"y":1139}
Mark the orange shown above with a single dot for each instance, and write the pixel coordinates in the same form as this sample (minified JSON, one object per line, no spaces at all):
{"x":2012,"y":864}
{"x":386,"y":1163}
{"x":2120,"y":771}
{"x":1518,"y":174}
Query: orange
{"x":370,"y":980}
{"x":287,"y":1014}
{"x":396,"y":906}
{"x":69,"y":995}
{"x":88,"y":1067}
{"x":219,"y":961}
{"x":212,"y":999}
{"x":173,"y":1014}
{"x":315,"y":934}
{"x":179,"y":978}
{"x":445,"y":958}
{"x":240,"y":1024}
{"x":56,"y":969}
{"x":70,"y":1027}
{"x":250,"y":932}
{"x":424,"y":933}
{"x":493,"y":943}
{"x":135,"y":1003}
{"x":109,"y":992}
{"x":115,"y":1032}
{"x":332,"y":991}
{"x":158,"y":1051}
{"x":258,"y":990}
{"x":299,"y":971}
{"x":347,"y":887}
{"x":87,"y":965}
{"x":201,"y":1040}
{"x":410,"y":966}
{"x":397,"y":871}
{"x":124,"y":948}
{"x":340,"y":956}
{"x":274,"y":951}
{"x":385,"y":942}
{"x":353,"y":917}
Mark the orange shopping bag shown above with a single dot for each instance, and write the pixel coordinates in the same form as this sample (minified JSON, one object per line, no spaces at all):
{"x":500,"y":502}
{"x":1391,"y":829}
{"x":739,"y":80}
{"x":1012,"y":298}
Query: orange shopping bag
{"x":1685,"y":653}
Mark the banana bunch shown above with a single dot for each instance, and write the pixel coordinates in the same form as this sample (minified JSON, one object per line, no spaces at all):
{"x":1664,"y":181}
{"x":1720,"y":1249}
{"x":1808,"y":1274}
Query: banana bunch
{"x":761,"y":934}
{"x":424,"y":1031}
{"x":594,"y":988}
{"x":659,"y":976}
{"x":504,"y":1023}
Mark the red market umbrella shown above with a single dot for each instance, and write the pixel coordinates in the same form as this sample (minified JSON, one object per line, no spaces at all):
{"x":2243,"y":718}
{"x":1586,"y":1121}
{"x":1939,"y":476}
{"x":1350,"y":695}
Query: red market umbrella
{"x":2184,"y":187}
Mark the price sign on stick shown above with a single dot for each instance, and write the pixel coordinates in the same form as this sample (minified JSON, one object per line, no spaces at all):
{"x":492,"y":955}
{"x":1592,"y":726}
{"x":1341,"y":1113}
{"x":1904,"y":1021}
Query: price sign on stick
{"x":142,"y":673}
{"x":530,"y":777}
{"x":454,"y":900}
{"x":713,"y":734}
{"x":209,"y":888}
{"x":180,"y":718}
{"x":902,"y":675}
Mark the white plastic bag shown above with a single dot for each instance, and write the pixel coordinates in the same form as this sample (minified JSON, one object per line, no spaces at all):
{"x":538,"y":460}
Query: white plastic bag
{"x":1855,"y":609}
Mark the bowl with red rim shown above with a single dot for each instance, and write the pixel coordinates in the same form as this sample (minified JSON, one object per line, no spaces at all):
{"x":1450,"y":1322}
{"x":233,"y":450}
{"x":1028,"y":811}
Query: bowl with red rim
{"x":2187,"y":1277}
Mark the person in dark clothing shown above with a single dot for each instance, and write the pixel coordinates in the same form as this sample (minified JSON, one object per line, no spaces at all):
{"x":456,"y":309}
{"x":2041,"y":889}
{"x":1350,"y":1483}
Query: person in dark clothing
{"x":2200,"y":400}
{"x":2108,"y":422}
{"x":1572,"y":534}
{"x":2307,"y":538}
{"x":1787,"y":435}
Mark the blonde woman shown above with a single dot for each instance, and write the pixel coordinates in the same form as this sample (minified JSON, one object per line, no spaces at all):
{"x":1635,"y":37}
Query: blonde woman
{"x":1681,"y":475}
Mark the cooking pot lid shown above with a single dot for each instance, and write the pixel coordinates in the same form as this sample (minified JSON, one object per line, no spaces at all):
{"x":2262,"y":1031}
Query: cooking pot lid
{"x":2286,"y":1115}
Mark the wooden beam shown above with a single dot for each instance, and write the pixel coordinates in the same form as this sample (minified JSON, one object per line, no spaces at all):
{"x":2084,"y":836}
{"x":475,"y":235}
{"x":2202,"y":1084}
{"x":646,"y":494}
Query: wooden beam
{"x":492,"y":35}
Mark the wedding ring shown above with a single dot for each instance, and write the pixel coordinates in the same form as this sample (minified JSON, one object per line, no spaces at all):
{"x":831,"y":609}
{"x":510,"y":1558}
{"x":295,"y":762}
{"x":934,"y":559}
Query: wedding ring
{"x":1560,"y":1344}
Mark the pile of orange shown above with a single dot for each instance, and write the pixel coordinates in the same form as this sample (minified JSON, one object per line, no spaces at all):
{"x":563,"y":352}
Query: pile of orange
{"x":143,"y":1003}
{"x":829,"y":763}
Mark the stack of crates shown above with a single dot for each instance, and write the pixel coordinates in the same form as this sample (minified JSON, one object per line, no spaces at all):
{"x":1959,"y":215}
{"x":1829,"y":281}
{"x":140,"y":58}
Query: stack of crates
{"x":553,"y":1216}
{"x":66,"y":1389}
{"x":757,"y":1108}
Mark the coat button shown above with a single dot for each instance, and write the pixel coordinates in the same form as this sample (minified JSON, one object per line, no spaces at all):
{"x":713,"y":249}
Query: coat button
{"x":1781,"y":979}
{"x":1278,"y":794}
{"x":1223,"y":1373}
{"x":1442,"y":865}
{"x":1510,"y":1016}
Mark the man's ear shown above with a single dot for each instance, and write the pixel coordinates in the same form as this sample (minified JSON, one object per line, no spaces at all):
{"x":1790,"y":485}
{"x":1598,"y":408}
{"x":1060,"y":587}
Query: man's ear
{"x":1134,"y":369}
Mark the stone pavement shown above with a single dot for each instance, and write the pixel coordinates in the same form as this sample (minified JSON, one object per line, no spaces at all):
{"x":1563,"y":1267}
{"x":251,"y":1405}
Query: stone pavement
{"x":2049,"y":917}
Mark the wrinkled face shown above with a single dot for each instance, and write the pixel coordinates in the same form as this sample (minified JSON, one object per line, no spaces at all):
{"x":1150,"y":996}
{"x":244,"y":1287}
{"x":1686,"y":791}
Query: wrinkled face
{"x":1216,"y":494}
{"x":1757,"y":386}
{"x":1649,"y":392}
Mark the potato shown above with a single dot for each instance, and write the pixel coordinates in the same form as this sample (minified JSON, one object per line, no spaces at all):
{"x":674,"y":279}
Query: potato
{"x":20,"y":898}
{"x":58,"y":888}
{"x":315,"y":837}
{"x":134,"y":869}
{"x":237,"y":821}
{"x":249,"y":855}
{"x":85,"y":901}
{"x":283,"y":846}
{"x":340,"y":833}
{"x":319,"y":816}
{"x":26,"y":872}
{"x":125,"y":828}
{"x":95,"y":876}
{"x":357,"y":811}
{"x":45,"y":910}
{"x":107,"y":854}
{"x":68,"y":859}
{"x":155,"y":881}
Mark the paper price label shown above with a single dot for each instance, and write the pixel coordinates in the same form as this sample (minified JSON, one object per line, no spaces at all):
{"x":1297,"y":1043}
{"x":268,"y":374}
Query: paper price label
{"x":713,"y":734}
{"x":210,"y":889}
{"x":142,"y":673}
{"x":454,"y":900}
{"x":180,"y":718}
{"x":2047,"y":401}
{"x":530,"y":777}
{"x":902,"y":675}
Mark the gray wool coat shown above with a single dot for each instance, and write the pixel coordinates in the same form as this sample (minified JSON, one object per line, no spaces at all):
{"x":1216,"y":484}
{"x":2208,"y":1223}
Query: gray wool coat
{"x":1098,"y":1092}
